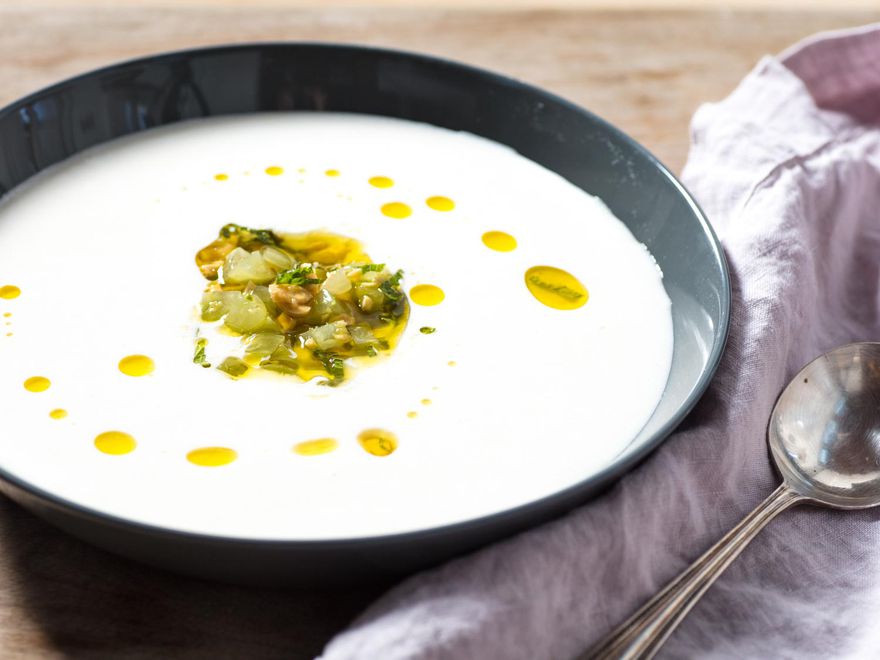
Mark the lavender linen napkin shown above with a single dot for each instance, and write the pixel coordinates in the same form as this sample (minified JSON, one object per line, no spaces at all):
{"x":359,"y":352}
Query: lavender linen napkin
{"x":788,"y":170}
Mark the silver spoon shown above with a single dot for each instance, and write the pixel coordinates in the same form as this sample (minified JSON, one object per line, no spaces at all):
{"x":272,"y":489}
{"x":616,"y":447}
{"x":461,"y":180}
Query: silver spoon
{"x":824,"y":436}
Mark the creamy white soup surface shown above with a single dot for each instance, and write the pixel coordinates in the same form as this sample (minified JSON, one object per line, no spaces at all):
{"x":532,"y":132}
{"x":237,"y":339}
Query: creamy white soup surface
{"x":524,"y":343}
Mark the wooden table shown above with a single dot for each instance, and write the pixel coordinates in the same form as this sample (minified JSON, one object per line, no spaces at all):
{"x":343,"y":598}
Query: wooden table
{"x":645,"y":71}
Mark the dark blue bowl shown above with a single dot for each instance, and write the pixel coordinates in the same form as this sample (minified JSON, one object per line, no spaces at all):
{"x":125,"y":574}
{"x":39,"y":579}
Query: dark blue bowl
{"x":58,"y":122}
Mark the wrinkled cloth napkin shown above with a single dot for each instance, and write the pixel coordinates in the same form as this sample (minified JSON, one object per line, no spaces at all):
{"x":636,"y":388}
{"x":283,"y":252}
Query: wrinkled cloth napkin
{"x":788,"y":170}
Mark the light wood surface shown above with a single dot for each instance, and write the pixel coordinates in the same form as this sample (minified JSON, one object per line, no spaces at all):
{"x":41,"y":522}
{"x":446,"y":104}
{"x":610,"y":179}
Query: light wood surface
{"x":609,"y":5}
{"x":644,"y":71}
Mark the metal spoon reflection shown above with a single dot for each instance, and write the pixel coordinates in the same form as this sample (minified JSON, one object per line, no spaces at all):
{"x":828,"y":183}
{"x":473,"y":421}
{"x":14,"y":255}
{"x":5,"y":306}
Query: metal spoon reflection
{"x":824,"y":436}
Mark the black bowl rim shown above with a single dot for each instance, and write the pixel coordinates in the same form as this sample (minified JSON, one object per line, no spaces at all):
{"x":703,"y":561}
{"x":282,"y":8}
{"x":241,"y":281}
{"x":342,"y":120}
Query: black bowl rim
{"x":592,"y":483}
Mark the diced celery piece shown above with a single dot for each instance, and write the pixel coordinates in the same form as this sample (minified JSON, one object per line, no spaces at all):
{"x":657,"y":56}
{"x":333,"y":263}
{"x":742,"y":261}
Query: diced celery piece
{"x":234,"y":367}
{"x":337,"y":283}
{"x":242,"y":266}
{"x":262,"y":292}
{"x":263,"y":343}
{"x":362,"y":335}
{"x":375,"y":299}
{"x":325,"y":306}
{"x":246,"y":313}
{"x":213,"y":307}
{"x":327,"y":336}
{"x":282,"y":360}
{"x":276,"y":259}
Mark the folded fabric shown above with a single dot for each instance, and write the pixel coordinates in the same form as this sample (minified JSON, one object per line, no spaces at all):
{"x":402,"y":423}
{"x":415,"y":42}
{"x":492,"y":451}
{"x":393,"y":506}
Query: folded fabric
{"x":788,"y":170}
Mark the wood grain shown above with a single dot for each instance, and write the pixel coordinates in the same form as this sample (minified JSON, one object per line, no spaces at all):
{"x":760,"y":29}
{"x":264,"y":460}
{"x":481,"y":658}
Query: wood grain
{"x":644,"y":71}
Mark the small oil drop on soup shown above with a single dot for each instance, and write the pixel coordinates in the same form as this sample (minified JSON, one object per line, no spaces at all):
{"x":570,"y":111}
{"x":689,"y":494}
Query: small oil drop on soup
{"x":315,"y":447}
{"x":556,"y":288}
{"x":37,"y":384}
{"x":136,"y":365}
{"x":115,"y":443}
{"x":396,"y":210}
{"x":499,"y":241}
{"x":212,"y":456}
{"x":427,"y":295}
{"x":381,"y":182}
{"x":9,"y":291}
{"x":440,"y":203}
{"x":378,"y":442}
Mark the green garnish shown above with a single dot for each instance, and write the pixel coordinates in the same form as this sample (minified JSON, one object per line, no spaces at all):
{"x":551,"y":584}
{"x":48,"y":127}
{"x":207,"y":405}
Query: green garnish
{"x":333,"y":364}
{"x":199,"y":356}
{"x":247,"y":235}
{"x":427,"y":330}
{"x":302,"y":303}
{"x":391,"y":287}
{"x":298,"y":276}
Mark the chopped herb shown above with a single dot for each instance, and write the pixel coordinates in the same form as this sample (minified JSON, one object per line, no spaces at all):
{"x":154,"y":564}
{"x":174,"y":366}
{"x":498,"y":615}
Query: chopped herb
{"x":372,"y":268}
{"x":391,"y":287}
{"x":427,"y":330}
{"x":298,"y":276}
{"x":247,"y":235}
{"x":333,"y":364}
{"x":199,"y":356}
{"x":371,"y":351}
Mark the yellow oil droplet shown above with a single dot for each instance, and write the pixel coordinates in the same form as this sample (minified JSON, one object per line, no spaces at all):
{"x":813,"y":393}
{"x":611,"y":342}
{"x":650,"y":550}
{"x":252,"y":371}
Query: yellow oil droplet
{"x":58,"y":413}
{"x":412,"y":414}
{"x":212,"y":456}
{"x":556,"y":288}
{"x":221,"y":177}
{"x":381,"y":182}
{"x":6,"y":315}
{"x":332,"y":173}
{"x":426,"y":295}
{"x":378,"y":442}
{"x":274,"y":170}
{"x":439,"y":203}
{"x":452,"y":363}
{"x":115,"y":443}
{"x":397,"y":210}
{"x":37,"y":384}
{"x":315,"y":447}
{"x":9,"y":291}
{"x":426,"y":402}
{"x":499,"y":241}
{"x":8,"y":334}
{"x":136,"y":365}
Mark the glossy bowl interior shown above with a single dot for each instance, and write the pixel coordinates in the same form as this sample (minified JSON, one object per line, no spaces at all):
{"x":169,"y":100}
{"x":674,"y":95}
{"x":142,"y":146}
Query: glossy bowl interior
{"x":63,"y":120}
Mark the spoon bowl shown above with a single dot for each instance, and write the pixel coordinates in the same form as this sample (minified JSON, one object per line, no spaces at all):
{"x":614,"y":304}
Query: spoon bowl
{"x":824,"y":433}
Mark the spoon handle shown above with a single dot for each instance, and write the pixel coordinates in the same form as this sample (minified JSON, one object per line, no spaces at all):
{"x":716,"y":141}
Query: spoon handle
{"x":642,"y":635}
